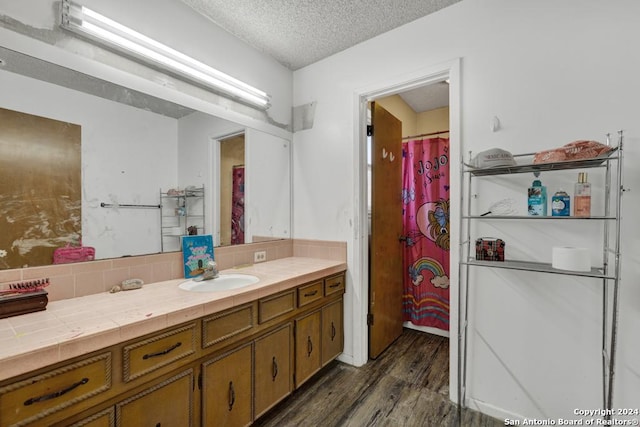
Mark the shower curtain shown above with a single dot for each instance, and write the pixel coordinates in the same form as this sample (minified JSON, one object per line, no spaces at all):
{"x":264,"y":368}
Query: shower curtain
{"x":425,"y":193}
{"x":237,"y":206}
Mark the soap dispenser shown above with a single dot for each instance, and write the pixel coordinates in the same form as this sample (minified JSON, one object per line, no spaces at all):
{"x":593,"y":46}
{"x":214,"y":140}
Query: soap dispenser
{"x":537,"y":199}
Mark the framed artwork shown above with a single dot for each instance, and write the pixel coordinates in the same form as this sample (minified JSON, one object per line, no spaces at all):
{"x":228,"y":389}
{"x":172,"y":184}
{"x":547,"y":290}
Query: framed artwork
{"x":196,"y":252}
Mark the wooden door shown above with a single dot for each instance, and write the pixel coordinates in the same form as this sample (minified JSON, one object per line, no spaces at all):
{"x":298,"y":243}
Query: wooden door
{"x":308,"y":351}
{"x":273,"y":368}
{"x":227,"y":389}
{"x":385,"y":258}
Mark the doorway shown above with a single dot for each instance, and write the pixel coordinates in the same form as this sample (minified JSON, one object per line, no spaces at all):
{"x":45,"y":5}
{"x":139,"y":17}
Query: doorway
{"x":409,"y":214}
{"x":448,"y":71}
{"x":232,"y":194}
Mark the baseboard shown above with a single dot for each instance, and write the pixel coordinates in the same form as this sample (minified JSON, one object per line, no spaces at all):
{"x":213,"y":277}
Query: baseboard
{"x":492,"y":411}
{"x":427,"y":329}
{"x":348,"y":359}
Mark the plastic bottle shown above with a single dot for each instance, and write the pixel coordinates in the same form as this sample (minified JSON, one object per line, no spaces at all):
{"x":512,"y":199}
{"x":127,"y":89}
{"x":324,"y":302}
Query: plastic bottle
{"x":582,"y":196}
{"x":537,"y":199}
{"x":561,"y":204}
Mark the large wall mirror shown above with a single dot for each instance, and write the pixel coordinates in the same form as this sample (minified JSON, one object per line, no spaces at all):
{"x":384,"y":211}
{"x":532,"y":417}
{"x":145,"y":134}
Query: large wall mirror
{"x":133,"y":149}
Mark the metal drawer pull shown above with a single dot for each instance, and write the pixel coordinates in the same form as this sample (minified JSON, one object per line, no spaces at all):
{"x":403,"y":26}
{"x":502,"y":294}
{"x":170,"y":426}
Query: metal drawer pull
{"x":56,"y":394}
{"x":309,"y":346}
{"x":335,"y":285}
{"x":163,"y":352}
{"x":274,"y":369}
{"x":333,"y":331}
{"x":232,"y":395}
{"x":310,"y":294}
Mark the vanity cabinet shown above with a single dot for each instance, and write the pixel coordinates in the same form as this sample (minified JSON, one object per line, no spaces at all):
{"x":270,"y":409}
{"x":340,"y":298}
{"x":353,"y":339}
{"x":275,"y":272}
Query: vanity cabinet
{"x":308,"y":356}
{"x":168,"y":403}
{"x":273,"y":368}
{"x":319,"y":335}
{"x":332,"y":331}
{"x":225,"y":369}
{"x":227,"y":388}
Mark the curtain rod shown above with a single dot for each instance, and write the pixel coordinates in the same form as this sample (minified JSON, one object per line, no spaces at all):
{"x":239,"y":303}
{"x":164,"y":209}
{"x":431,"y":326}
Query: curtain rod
{"x":425,"y":134}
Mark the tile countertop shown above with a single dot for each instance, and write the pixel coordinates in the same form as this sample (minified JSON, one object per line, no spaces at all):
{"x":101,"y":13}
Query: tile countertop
{"x":73,"y":327}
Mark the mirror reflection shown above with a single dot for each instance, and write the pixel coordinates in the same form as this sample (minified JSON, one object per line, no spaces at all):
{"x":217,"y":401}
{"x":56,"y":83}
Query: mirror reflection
{"x":133,"y":149}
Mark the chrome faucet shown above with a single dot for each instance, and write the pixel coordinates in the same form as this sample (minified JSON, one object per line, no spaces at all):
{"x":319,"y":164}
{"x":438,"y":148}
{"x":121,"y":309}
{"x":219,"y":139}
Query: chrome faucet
{"x":210,"y":271}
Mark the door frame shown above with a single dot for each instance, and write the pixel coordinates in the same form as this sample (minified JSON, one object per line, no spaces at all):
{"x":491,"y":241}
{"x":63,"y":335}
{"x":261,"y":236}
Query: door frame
{"x":449,"y":70}
{"x":212,"y":216}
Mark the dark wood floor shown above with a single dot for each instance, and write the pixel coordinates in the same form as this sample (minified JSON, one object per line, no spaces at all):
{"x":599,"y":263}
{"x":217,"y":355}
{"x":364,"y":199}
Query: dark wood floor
{"x":408,"y":385}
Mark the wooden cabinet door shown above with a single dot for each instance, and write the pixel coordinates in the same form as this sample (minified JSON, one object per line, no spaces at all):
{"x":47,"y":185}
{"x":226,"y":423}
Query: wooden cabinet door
{"x":308,"y":350}
{"x":332,"y":331}
{"x":169,"y":403}
{"x":273,"y":368}
{"x":227,"y":398}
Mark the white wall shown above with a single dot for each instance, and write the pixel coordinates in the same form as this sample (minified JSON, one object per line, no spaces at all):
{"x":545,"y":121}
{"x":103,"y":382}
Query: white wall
{"x":553,"y":71}
{"x":128,"y":154}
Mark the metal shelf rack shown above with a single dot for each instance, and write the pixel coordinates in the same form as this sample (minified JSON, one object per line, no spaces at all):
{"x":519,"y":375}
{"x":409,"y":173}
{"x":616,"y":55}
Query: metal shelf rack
{"x":609,"y":273}
{"x":180,"y":212}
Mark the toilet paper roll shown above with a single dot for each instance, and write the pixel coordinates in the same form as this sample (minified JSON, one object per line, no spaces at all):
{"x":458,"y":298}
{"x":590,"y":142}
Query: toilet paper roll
{"x":570,"y":258}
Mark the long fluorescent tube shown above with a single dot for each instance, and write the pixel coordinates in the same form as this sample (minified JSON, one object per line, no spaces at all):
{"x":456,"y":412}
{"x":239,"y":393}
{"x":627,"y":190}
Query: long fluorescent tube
{"x":84,"y":21}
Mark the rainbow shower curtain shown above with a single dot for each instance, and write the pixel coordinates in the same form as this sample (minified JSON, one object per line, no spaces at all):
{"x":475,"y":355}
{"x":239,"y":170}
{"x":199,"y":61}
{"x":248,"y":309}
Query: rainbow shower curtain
{"x":425,"y":193}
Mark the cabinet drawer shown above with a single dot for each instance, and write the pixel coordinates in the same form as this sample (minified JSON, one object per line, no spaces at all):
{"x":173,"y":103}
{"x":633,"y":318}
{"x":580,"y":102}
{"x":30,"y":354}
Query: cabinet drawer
{"x":145,"y":356}
{"x":275,"y":306}
{"x":334,"y":284}
{"x":310,"y":293}
{"x":222,"y":326}
{"x":39,"y":396}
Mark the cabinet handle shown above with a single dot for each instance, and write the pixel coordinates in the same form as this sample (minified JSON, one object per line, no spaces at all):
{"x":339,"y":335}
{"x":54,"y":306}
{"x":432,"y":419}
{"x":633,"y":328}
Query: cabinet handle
{"x":333,"y":331}
{"x":310,"y":294}
{"x":274,"y":369}
{"x":335,"y":285}
{"x":232,"y":395}
{"x":163,"y":352}
{"x":309,"y":346}
{"x":55,"y":394}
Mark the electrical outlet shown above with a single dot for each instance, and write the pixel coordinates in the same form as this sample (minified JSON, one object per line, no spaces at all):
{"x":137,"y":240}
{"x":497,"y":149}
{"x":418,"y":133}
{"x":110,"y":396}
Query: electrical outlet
{"x":259,"y":256}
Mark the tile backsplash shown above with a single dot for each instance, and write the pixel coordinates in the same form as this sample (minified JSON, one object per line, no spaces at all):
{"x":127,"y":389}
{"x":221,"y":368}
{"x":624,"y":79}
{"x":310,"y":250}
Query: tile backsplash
{"x":85,"y":278}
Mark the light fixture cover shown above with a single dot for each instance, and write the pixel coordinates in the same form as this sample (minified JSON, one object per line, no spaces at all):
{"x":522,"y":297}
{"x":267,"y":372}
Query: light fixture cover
{"x":88,"y":23}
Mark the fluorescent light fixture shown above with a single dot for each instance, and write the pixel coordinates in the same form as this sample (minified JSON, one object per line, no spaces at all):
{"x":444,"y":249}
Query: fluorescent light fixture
{"x":86,"y":22}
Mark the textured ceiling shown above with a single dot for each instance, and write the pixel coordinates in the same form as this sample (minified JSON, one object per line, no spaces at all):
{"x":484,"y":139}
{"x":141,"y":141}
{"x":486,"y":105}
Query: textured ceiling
{"x":300,"y":32}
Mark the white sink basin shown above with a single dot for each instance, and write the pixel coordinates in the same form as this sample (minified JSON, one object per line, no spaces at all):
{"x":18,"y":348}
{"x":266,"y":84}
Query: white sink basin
{"x":224,"y":282}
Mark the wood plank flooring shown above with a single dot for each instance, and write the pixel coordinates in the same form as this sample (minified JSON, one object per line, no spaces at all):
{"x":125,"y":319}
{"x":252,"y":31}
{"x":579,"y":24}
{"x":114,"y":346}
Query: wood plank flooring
{"x":408,"y":385}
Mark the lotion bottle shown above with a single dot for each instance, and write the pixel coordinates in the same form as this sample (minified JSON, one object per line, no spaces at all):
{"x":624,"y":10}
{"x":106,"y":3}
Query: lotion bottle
{"x":582,"y":197}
